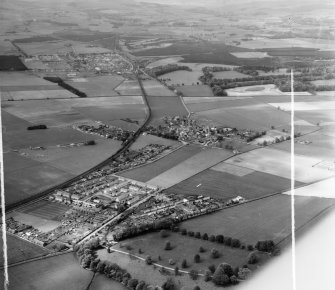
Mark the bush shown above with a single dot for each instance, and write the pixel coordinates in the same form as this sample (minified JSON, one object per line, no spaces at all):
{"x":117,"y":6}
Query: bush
{"x":250,"y":247}
{"x":172,"y":262}
{"x":176,"y":271}
{"x":235,"y":243}
{"x":205,"y":237}
{"x":184,"y":232}
{"x":164,"y":234}
{"x":148,"y":260}
{"x":208,"y":275}
{"x":197,"y":258}
{"x":132,"y":283}
{"x":202,"y":250}
{"x":253,"y":258}
{"x":184,"y":264}
{"x":228,"y":241}
{"x":168,"y":246}
{"x":191,"y":233}
{"x":215,"y":253}
{"x":169,"y":284}
{"x":212,"y":268}
{"x":212,"y":238}
{"x":193,"y":274}
{"x":198,"y":235}
{"x":219,"y":239}
{"x":140,"y":285}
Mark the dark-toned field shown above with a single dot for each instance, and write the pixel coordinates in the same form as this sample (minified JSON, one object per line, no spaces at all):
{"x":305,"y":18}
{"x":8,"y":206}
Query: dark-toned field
{"x":11,"y":63}
{"x":196,"y":91}
{"x":165,"y":106}
{"x":149,"y":171}
{"x":223,"y":185}
{"x":268,"y":218}
{"x":19,"y":250}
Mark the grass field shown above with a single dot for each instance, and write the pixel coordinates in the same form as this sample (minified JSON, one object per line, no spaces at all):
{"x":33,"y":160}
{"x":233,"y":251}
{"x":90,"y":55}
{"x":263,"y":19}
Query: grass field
{"x":59,"y":272}
{"x":229,"y":182}
{"x":254,"y":90}
{"x":189,"y":167}
{"x":261,"y":160}
{"x":166,"y":106}
{"x":149,"y":171}
{"x":129,"y":88}
{"x":164,"y":61}
{"x":22,"y":79}
{"x":98,"y":86}
{"x":37,"y":95}
{"x":183,"y":247}
{"x":196,"y":91}
{"x":155,"y":88}
{"x":19,"y":250}
{"x":268,"y":218}
{"x":228,"y":75}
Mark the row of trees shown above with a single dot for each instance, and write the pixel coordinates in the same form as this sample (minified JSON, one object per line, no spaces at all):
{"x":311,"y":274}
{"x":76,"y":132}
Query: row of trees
{"x":161,"y":70}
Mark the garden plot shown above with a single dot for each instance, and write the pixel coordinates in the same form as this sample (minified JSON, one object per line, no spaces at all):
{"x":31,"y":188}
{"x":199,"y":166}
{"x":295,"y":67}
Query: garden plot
{"x":278,"y":163}
{"x":190,"y":167}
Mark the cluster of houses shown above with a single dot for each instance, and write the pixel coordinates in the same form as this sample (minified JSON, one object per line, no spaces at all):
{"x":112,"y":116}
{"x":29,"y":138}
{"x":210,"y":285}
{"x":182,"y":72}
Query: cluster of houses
{"x":103,"y":130}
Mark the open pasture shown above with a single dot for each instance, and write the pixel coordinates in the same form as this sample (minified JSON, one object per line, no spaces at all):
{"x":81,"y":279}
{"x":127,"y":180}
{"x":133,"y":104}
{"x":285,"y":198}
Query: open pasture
{"x":19,"y":250}
{"x":165,"y":106}
{"x":254,"y":116}
{"x":149,"y":171}
{"x":254,"y":90}
{"x":37,"y":95}
{"x":58,"y":272}
{"x":98,"y":86}
{"x":277,"y":162}
{"x":155,"y":88}
{"x":222,"y":182}
{"x":191,"y":166}
{"x":129,"y":88}
{"x":264,"y":219}
{"x":195,"y":91}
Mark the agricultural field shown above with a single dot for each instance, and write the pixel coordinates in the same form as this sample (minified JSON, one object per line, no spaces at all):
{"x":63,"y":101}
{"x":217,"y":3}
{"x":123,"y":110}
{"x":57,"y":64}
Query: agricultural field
{"x":189,"y":167}
{"x":58,"y":272}
{"x":260,"y":159}
{"x":11,"y":63}
{"x":165,"y":106}
{"x":19,"y":250}
{"x":250,"y":54}
{"x":225,"y":181}
{"x":254,"y":90}
{"x":229,"y":75}
{"x":264,"y":219}
{"x":164,"y":61}
{"x":155,"y":88}
{"x":97,"y":86}
{"x":37,"y":95}
{"x":149,"y":171}
{"x":129,"y":88}
{"x":147,"y":139}
{"x":196,"y":91}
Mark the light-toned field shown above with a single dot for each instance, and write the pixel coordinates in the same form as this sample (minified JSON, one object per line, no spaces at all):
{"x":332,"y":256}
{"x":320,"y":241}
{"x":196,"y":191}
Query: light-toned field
{"x":277,"y":162}
{"x":155,"y":88}
{"x":324,"y":188}
{"x":201,"y":161}
{"x":264,"y":219}
{"x":98,"y":86}
{"x":129,"y":88}
{"x":250,"y":54}
{"x":59,"y":272}
{"x":37,"y":95}
{"x":269,"y":137}
{"x":306,"y":106}
{"x":326,"y":93}
{"x":164,"y":61}
{"x":254,"y":90}
{"x":232,"y":169}
{"x":148,"y":139}
{"x":195,"y":91}
{"x":11,"y":79}
{"x":229,"y":75}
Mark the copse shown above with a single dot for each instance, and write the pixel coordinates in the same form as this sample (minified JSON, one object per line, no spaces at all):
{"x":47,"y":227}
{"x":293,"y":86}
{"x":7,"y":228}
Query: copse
{"x":265,"y":246}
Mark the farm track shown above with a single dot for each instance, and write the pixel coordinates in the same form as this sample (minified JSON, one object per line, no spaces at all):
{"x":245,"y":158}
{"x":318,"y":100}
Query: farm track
{"x":124,"y":148}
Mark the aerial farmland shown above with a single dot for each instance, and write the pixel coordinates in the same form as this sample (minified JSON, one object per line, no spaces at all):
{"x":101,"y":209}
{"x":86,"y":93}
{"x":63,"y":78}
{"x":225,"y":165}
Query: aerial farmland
{"x":151,"y":145}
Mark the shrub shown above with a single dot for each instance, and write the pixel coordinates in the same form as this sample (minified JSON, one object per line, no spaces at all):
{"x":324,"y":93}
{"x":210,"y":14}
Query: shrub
{"x":205,"y":236}
{"x":184,"y":264}
{"x":212,"y":238}
{"x":215,"y":253}
{"x":132,"y":283}
{"x":197,"y":258}
{"x":219,"y":239}
{"x":212,"y":268}
{"x":140,"y":285}
{"x":193,"y":274}
{"x":176,"y":271}
{"x":184,"y":232}
{"x":253,"y":258}
{"x":201,"y":250}
{"x":235,"y":243}
{"x":169,"y":284}
{"x":208,"y":275}
{"x":164,"y":234}
{"x":265,"y":246}
{"x":191,"y":233}
{"x":250,"y":247}
{"x":172,"y":262}
{"x":168,"y":246}
{"x":198,"y":235}
{"x":228,"y":241}
{"x":148,"y":260}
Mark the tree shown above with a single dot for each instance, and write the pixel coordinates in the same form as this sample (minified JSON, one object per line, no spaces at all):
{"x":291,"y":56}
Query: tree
{"x":198,"y":235}
{"x":219,"y":239}
{"x":233,"y":280}
{"x":148,"y":260}
{"x":132,"y":283}
{"x":227,"y":241}
{"x":184,"y":264}
{"x":193,"y":274}
{"x":208,"y":275}
{"x":215,"y":253}
{"x":227,"y":269}
{"x":253,"y":258}
{"x":220,"y":278}
{"x":167,"y":246}
{"x":101,"y":266}
{"x":184,"y":232}
{"x":205,"y":236}
{"x":201,"y":250}
{"x":191,"y":233}
{"x":236,"y":270}
{"x":212,"y":238}
{"x":140,"y":285}
{"x":197,"y":258}
{"x":212,"y":268}
{"x":235,"y":243}
{"x":164,"y":233}
{"x":196,"y":288}
{"x":176,"y":271}
{"x":250,"y":247}
{"x":169,"y":284}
